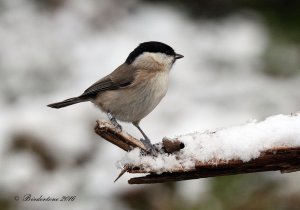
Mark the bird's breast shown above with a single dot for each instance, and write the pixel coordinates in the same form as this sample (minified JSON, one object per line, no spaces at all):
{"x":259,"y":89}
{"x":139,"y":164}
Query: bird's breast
{"x":137,"y":101}
{"x":153,"y":89}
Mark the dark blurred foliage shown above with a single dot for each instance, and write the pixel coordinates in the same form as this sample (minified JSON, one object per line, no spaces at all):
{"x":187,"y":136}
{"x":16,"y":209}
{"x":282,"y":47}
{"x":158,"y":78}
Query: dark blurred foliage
{"x":247,"y":192}
{"x":282,"y":16}
{"x":25,"y":142}
{"x":49,"y":4}
{"x":282,"y":19}
{"x":5,"y":204}
{"x":158,"y":196}
{"x":253,"y":191}
{"x":31,"y":144}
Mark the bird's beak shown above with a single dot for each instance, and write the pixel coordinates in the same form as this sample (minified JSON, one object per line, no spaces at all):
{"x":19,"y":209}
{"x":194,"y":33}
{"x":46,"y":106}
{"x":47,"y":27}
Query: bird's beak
{"x":178,"y":56}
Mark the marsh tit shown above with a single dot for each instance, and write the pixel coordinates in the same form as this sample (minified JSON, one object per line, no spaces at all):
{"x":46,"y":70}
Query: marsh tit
{"x":134,"y":89}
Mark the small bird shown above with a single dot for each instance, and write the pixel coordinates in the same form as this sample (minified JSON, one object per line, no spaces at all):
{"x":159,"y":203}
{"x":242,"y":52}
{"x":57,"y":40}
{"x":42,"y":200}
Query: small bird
{"x":134,"y":89}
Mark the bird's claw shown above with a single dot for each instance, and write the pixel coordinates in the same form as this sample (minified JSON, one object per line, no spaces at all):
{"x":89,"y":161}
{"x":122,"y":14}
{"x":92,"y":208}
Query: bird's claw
{"x":150,"y":148}
{"x":118,"y":127}
{"x":113,"y":120}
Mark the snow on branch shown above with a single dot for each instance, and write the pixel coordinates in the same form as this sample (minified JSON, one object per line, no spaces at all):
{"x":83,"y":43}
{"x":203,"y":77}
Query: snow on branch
{"x":269,"y":145}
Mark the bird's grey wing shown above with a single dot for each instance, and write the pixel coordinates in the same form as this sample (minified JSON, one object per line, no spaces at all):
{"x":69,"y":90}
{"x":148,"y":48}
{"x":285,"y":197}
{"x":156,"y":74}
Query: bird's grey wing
{"x":122,"y":77}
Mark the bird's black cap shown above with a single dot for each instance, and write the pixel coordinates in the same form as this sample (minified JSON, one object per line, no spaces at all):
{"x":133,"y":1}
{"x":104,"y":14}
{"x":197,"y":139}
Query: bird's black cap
{"x":151,"y":46}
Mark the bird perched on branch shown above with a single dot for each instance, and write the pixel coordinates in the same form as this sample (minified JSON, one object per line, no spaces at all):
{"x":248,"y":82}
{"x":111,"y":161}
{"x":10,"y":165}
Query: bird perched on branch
{"x":134,"y":89}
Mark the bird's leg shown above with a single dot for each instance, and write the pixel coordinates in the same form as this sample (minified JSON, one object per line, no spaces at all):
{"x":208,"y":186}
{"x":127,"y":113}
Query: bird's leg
{"x":146,"y":141}
{"x":113,"y":120}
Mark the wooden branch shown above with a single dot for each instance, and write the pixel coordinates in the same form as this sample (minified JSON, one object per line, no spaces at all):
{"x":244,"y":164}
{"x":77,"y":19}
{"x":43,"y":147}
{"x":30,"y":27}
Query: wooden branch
{"x":127,"y":142}
{"x":119,"y":138}
{"x":284,"y":159}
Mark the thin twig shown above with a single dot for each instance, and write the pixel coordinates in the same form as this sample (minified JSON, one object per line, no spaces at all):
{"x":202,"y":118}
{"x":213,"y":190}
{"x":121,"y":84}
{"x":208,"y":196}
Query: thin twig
{"x":125,"y":169}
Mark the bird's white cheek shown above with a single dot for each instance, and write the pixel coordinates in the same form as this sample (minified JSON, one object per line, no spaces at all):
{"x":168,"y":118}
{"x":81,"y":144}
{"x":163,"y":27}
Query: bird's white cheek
{"x":154,"y":61}
{"x":164,"y":60}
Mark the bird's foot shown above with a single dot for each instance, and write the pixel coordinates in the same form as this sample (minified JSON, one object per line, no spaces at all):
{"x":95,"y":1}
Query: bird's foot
{"x":150,"y":148}
{"x":113,"y":120}
{"x":117,"y":126}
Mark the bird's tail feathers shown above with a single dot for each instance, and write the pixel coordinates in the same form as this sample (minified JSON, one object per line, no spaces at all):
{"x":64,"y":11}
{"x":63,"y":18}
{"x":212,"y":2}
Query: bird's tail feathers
{"x":67,"y":102}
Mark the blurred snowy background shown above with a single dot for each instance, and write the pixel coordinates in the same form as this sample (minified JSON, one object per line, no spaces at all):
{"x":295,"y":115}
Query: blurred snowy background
{"x":241,"y":62}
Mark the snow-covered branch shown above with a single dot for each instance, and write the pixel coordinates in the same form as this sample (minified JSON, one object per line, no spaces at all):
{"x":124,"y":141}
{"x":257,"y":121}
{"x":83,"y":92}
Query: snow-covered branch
{"x":282,"y":159}
{"x":269,"y":145}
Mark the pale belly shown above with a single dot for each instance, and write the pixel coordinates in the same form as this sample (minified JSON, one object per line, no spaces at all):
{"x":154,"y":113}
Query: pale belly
{"x":133,"y":104}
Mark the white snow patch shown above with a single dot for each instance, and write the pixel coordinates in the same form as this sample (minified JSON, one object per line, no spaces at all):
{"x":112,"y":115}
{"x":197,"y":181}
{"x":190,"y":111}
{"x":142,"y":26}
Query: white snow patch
{"x":244,"y":142}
